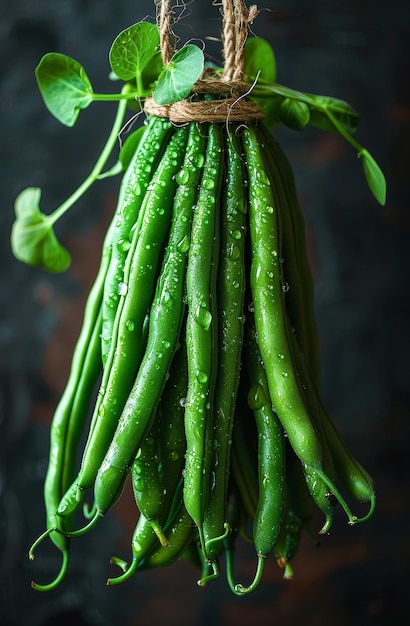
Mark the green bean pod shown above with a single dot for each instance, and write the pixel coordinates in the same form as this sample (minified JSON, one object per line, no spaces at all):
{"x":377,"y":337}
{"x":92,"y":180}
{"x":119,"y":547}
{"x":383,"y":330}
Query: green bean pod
{"x":132,"y":191}
{"x":91,"y":372}
{"x":297,"y":270}
{"x":171,"y":450}
{"x":354,"y":478}
{"x":166,"y":317}
{"x":201,"y":333}
{"x":270,"y":313}
{"x":230,"y":295}
{"x":299,"y":508}
{"x":322,"y":497}
{"x":128,"y":338}
{"x":271,"y":455}
{"x":269,"y":514}
{"x":76,"y":395}
{"x":146,"y":482}
{"x":287,"y":378}
{"x":180,"y":533}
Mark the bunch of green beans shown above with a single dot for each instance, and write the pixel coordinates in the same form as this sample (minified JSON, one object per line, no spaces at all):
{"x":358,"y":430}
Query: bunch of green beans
{"x":201,"y":333}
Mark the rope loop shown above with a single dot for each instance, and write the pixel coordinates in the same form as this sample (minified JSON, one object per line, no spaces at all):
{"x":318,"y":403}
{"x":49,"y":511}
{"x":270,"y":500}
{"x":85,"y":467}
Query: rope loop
{"x":231,"y":103}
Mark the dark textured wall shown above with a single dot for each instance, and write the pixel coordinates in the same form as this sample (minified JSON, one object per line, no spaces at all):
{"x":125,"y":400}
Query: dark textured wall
{"x":357,"y":51}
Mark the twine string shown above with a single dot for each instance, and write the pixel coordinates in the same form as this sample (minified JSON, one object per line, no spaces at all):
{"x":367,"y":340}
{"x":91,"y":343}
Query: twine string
{"x":165,"y":18}
{"x":233,"y":106}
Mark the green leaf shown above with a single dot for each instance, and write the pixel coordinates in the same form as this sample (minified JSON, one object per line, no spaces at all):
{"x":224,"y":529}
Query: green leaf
{"x":64,"y":86}
{"x":178,"y":78}
{"x":32,"y":237}
{"x":152,"y":71}
{"x":294,"y":114}
{"x":133,"y":49}
{"x":260,"y":61}
{"x":343,"y":112}
{"x":374,"y":176}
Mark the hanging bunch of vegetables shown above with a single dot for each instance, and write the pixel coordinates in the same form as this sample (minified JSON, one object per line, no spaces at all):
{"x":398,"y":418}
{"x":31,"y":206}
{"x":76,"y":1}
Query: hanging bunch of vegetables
{"x":199,"y":329}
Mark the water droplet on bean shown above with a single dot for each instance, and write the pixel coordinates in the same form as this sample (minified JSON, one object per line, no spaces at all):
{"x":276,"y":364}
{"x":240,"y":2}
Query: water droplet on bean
{"x":202,"y":377}
{"x":203,"y":317}
{"x":122,"y":289}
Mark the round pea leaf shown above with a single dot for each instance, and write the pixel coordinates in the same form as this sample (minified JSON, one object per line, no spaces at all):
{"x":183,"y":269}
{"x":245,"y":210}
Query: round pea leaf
{"x":341,"y":110}
{"x":294,"y":113}
{"x":180,"y":75}
{"x":259,"y":60}
{"x":64,"y":86}
{"x":33,"y":240}
{"x":133,"y":49}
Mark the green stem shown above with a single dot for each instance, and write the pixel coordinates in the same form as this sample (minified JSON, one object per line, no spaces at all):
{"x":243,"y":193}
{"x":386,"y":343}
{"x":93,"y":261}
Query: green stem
{"x":266,"y":90}
{"x":114,"y":97}
{"x":98,"y":167}
{"x":340,"y":128}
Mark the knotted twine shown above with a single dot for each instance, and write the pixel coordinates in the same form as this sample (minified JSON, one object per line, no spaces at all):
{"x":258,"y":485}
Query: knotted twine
{"x":231,"y":90}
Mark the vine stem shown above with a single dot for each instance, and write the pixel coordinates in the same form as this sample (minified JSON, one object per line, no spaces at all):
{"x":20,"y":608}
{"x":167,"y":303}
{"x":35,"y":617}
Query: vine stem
{"x":101,"y":161}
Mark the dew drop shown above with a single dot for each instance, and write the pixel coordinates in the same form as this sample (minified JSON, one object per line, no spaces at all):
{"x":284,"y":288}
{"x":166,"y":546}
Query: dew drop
{"x":202,"y":377}
{"x":183,"y":245}
{"x":203,"y":317}
{"x":198,"y":160}
{"x":139,"y":483}
{"x":233,"y":251}
{"x":122,"y":289}
{"x":173,"y":455}
{"x":256,"y":397}
{"x":208,"y":184}
{"x":182,"y":177}
{"x":166,"y":298}
{"x":236,"y":234}
{"x":123,"y":245}
{"x":129,"y":325}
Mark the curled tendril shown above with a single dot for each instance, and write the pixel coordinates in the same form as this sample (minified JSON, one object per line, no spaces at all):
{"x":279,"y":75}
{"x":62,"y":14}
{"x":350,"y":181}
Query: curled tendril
{"x":89,"y":511}
{"x":359,"y":520}
{"x":213,"y":564}
{"x":224,"y":535}
{"x":127,"y":573}
{"x":207,"y":577}
{"x":241,"y":590}
{"x":82,"y":531}
{"x":336,"y":493}
{"x":121,"y":563}
{"x":41,"y":538}
{"x":64,"y":564}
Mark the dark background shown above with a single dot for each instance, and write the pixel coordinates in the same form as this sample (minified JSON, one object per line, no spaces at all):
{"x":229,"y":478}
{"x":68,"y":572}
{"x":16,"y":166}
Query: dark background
{"x":356,"y":50}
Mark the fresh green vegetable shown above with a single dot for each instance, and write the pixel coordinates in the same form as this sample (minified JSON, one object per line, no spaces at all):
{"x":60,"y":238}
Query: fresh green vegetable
{"x":201,"y":333}
{"x":200,"y":326}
